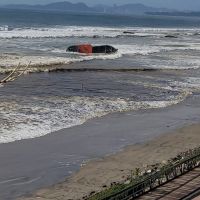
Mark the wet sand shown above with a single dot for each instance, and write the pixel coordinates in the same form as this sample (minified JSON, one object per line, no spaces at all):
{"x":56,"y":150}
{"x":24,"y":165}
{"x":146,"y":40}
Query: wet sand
{"x":37,"y":163}
{"x":98,"y":174}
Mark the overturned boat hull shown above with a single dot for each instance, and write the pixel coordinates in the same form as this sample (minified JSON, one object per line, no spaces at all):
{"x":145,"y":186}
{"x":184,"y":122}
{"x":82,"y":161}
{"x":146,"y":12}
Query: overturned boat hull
{"x":89,"y":49}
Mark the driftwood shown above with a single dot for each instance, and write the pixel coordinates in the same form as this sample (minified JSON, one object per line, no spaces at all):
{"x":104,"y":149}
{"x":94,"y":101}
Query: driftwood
{"x":17,"y":72}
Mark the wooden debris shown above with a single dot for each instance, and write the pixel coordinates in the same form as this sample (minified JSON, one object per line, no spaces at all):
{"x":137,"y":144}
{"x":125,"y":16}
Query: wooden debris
{"x":16,"y":73}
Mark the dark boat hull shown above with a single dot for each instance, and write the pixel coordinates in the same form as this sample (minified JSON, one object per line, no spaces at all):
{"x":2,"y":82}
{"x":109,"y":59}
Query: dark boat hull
{"x":105,"y":49}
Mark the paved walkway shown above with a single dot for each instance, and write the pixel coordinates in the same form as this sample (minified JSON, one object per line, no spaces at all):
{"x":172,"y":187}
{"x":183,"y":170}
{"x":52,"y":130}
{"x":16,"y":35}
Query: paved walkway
{"x":176,"y":189}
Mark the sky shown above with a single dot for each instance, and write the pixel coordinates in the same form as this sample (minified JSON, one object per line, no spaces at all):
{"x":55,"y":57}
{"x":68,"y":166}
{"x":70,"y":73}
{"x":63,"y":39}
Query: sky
{"x":174,"y":4}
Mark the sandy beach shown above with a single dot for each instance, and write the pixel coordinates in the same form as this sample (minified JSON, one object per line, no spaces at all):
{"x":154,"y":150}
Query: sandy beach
{"x":55,"y":159}
{"x":169,"y":139}
{"x":96,"y":116}
{"x":96,"y":175}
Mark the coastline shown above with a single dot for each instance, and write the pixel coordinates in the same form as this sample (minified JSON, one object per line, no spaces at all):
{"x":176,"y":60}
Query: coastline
{"x":29,"y":165}
{"x":99,"y":174}
{"x":74,"y":124}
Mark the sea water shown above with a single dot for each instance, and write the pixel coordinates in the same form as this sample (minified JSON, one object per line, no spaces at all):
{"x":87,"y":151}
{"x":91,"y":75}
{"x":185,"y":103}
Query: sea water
{"x":157,"y":65}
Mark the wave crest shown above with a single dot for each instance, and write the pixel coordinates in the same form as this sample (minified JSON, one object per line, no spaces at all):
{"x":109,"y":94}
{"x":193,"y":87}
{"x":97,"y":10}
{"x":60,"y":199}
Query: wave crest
{"x":38,"y":117}
{"x":95,"y":32}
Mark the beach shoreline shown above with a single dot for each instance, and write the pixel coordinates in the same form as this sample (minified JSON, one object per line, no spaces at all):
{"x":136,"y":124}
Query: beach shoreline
{"x":29,"y":165}
{"x":71,"y":124}
{"x":100,"y":174}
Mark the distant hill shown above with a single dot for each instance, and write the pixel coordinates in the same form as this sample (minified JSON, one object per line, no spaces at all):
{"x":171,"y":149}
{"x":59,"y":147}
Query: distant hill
{"x":127,"y":9}
{"x":59,"y":6}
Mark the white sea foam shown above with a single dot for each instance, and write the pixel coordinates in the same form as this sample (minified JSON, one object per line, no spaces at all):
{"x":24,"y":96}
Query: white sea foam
{"x":122,"y":50}
{"x":23,"y":119}
{"x":56,"y":32}
{"x":187,"y":83}
{"x":83,"y":31}
{"x":78,"y":31}
{"x":168,"y":67}
{"x":34,"y":117}
{"x":10,"y":61}
{"x":4,"y":28}
{"x":181,"y":63}
{"x":140,"y":49}
{"x":172,"y":61}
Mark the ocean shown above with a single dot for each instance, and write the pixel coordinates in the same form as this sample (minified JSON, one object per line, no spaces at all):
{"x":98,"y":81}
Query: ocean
{"x":157,"y":65}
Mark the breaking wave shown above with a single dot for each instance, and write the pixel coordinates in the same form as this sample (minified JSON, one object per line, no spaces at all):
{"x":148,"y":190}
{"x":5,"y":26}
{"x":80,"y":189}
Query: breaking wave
{"x":23,"y":119}
{"x":4,"y":28}
{"x":50,"y":63}
{"x":95,"y":32}
{"x":38,"y":63}
{"x":30,"y":117}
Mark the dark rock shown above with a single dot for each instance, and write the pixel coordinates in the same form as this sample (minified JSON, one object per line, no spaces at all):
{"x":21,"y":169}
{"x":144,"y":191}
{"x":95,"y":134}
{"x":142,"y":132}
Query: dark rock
{"x":128,"y":32}
{"x":171,"y":36}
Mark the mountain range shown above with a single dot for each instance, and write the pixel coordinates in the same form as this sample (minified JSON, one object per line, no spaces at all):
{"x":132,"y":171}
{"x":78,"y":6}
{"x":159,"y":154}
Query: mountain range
{"x":126,"y":9}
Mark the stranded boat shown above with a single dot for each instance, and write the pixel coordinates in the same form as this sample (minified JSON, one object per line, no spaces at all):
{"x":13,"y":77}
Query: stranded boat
{"x":89,"y":49}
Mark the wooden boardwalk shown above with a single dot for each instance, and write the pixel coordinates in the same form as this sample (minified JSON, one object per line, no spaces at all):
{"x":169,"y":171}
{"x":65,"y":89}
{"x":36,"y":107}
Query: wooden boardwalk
{"x":181,"y":188}
{"x":178,"y":180}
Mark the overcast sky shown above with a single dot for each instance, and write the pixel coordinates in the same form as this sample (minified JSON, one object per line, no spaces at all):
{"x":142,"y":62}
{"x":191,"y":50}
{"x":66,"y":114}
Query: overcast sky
{"x":177,"y":4}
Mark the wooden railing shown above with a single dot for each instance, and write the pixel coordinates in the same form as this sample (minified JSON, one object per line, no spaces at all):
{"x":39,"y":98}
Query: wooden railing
{"x":142,"y":184}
